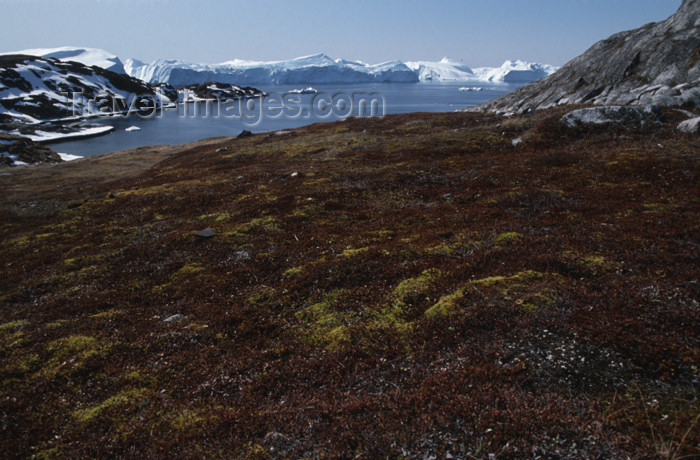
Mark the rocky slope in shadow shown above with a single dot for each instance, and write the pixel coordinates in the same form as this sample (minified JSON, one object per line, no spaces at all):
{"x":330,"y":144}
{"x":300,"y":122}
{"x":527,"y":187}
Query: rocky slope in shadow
{"x":657,"y":64}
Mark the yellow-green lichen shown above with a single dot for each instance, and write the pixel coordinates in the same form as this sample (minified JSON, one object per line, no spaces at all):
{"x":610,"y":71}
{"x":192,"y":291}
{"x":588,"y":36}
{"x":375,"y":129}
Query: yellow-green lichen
{"x":353,"y":252}
{"x":130,"y":397}
{"x":13,"y":325}
{"x":658,"y":207}
{"x":325,"y":324}
{"x":293,"y":271}
{"x":395,"y":313}
{"x":189,"y":419}
{"x":447,"y":305}
{"x":107,"y":315}
{"x":69,"y":354}
{"x":215,"y":217}
{"x":507,"y":238}
{"x":267,"y":224}
{"x":189,"y":268}
{"x":414,"y":286}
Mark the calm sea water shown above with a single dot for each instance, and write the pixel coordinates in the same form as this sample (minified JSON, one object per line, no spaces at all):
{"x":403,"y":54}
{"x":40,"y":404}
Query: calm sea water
{"x":177,"y":126}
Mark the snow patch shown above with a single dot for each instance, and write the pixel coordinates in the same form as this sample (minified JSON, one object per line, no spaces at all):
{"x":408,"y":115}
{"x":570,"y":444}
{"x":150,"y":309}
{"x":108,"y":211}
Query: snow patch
{"x":68,"y":156}
{"x":45,"y":136}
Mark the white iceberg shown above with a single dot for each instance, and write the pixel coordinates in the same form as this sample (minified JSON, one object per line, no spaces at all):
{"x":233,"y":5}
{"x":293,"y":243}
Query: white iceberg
{"x":515,"y":71}
{"x":308,"y":90}
{"x":445,"y":70}
{"x":317,"y":68}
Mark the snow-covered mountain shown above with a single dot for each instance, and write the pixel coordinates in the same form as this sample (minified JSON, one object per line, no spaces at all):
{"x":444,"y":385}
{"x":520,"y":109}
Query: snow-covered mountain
{"x":318,"y":68}
{"x":33,"y":89}
{"x":86,"y":56}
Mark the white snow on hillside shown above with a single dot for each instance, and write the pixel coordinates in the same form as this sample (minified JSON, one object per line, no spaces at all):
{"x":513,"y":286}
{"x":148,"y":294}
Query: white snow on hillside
{"x":86,"y":56}
{"x":44,"y":136}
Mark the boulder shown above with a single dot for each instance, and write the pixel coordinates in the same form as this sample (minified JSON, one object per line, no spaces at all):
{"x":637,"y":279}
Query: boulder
{"x":630,"y":117}
{"x":691,"y":126}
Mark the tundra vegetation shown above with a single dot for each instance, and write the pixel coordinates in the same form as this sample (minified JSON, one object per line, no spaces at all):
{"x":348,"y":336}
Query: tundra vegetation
{"x":407,"y":286}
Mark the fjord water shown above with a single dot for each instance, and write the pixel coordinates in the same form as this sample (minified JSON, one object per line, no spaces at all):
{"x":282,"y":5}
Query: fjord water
{"x":174,"y":127}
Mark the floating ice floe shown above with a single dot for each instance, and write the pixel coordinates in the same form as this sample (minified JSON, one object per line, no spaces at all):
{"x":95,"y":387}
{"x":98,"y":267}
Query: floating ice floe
{"x":308,"y":90}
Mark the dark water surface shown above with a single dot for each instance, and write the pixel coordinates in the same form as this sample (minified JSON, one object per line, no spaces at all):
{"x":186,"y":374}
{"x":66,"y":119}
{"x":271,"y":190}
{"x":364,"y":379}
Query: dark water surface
{"x":181,"y":125}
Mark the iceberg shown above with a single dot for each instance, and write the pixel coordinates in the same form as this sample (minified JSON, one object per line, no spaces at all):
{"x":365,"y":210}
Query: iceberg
{"x":515,"y":71}
{"x":309,"y":90}
{"x":305,"y":70}
{"x":445,"y":70}
{"x":317,"y":68}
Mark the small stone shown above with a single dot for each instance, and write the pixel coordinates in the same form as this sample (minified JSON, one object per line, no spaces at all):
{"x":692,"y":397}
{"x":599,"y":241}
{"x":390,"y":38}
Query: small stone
{"x":173,"y":319}
{"x":295,"y":174}
{"x":517,"y":141}
{"x":222,"y":149}
{"x":244,"y":133}
{"x":206,"y":233}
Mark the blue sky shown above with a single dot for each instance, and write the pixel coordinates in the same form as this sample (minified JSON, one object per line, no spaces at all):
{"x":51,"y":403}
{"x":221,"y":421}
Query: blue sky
{"x":478,"y":32}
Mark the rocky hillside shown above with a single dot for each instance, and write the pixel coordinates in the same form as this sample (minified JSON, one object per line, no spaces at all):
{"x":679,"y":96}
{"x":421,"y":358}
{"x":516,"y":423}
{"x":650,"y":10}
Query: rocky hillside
{"x":19,"y":151}
{"x":217,"y":91}
{"x":657,"y":64}
{"x":413,"y":286}
{"x":33,"y":89}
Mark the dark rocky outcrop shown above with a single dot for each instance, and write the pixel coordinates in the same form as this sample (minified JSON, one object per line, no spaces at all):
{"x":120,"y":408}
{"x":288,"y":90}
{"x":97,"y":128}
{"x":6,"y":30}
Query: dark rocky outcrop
{"x":14,"y":149}
{"x":220,"y":91}
{"x":657,"y":64}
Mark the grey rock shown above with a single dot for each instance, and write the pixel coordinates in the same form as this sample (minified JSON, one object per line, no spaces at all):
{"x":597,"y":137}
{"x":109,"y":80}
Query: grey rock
{"x":173,"y":318}
{"x":656,"y":64}
{"x":631,"y":117}
{"x":691,"y":126}
{"x":206,"y":233}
